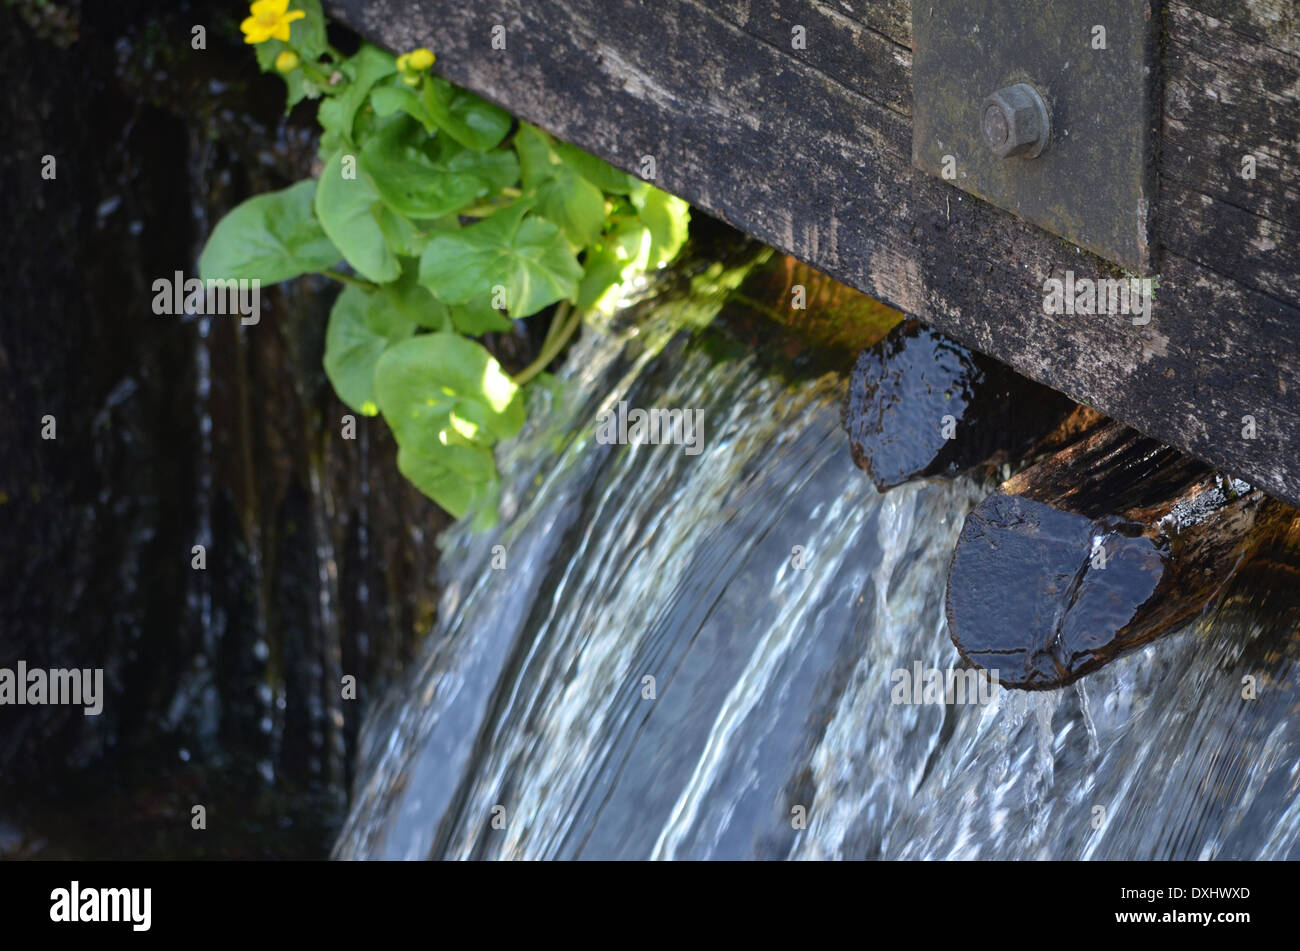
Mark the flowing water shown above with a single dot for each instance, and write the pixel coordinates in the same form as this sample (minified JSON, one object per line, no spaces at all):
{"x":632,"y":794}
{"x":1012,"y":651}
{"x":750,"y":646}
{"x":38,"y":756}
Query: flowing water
{"x":771,"y":593}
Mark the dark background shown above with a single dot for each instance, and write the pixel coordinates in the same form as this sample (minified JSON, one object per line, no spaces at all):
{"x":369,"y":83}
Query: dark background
{"x":222,"y":686}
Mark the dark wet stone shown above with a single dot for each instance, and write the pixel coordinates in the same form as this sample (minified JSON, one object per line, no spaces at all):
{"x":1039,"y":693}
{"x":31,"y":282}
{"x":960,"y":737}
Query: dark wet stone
{"x":916,"y":388}
{"x":1023,"y":600}
{"x":1030,"y":596}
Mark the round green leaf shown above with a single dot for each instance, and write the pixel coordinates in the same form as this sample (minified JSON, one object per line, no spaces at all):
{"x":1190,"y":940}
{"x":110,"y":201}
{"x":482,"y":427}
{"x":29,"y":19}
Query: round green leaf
{"x":390,"y":99}
{"x":419,"y":185}
{"x":528,"y":256}
{"x":595,"y":170}
{"x":270,"y":238}
{"x":668,"y":219}
{"x":479,"y":317}
{"x":575,"y":204}
{"x":407,"y":301}
{"x":344,"y":207}
{"x":610,"y":261}
{"x":430,"y":474}
{"x":441,"y":389}
{"x":337,"y":113}
{"x":403,"y":236}
{"x":353,"y":347}
{"x":537,"y":160}
{"x":471,"y":121}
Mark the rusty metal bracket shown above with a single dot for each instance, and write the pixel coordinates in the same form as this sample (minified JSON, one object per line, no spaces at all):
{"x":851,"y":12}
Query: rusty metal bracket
{"x":1045,"y":109}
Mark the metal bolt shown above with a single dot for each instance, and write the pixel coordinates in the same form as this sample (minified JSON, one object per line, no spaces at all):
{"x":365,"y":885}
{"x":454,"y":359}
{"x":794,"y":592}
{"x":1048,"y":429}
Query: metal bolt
{"x":995,"y":125}
{"x":1016,"y":121}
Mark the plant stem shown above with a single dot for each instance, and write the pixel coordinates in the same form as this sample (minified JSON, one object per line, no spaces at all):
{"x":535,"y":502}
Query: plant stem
{"x":491,"y":206}
{"x":554,"y":342}
{"x":758,"y":305}
{"x":313,"y":72}
{"x":349,"y":279}
{"x":557,"y":321}
{"x":480,"y":211}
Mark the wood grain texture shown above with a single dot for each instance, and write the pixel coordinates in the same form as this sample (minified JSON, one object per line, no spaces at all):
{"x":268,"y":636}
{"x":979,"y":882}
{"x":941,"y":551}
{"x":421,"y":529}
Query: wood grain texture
{"x":810,"y":151}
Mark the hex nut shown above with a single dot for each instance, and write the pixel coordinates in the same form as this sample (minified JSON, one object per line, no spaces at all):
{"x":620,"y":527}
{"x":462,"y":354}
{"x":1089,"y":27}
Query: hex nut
{"x":1015,"y":121}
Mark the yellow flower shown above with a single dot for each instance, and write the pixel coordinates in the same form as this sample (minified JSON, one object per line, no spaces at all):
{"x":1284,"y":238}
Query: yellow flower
{"x":287,"y":61}
{"x":410,"y":79}
{"x":421,"y":58}
{"x":270,"y":20}
{"x":401,"y":61}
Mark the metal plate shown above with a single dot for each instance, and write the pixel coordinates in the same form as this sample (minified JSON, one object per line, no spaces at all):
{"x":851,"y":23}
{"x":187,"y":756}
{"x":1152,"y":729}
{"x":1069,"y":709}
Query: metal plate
{"x":1094,"y":183}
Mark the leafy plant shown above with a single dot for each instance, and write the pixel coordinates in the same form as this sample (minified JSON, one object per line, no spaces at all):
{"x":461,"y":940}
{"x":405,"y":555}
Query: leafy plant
{"x":453,"y":220}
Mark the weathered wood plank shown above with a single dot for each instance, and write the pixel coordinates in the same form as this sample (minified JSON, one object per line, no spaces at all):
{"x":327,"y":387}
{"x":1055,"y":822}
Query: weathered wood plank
{"x":1274,"y":23}
{"x":1227,"y":97}
{"x":810,"y":151}
{"x":852,"y":52}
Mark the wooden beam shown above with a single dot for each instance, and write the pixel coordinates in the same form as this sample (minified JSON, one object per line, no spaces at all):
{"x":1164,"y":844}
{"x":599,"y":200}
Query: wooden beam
{"x":810,"y":151}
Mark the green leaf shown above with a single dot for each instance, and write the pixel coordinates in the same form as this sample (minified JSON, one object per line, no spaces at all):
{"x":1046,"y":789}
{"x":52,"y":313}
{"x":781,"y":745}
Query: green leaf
{"x":344,"y":207}
{"x":408,"y":301}
{"x":447,"y":401}
{"x":337,"y":114}
{"x":403,"y":236}
{"x":418,"y":184}
{"x":440,"y":389}
{"x":575,"y":204}
{"x":595,"y":170}
{"x":537,"y":160}
{"x":668,"y":219}
{"x":390,"y":99}
{"x":610,"y":262}
{"x":270,"y":238}
{"x":297,"y":88}
{"x":478,"y":317}
{"x":528,"y":256}
{"x":602,"y":271}
{"x":430,"y":474}
{"x":408,"y":180}
{"x":498,"y":168}
{"x":471,"y":121}
{"x":407,"y":237}
{"x":354,"y":342}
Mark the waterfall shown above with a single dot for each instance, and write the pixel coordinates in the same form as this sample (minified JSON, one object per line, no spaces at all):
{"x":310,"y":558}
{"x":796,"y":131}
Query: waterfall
{"x":771,"y":593}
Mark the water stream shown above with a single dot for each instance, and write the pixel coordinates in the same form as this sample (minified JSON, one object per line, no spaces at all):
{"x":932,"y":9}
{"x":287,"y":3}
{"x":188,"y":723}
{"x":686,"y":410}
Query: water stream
{"x":765,"y":587}
{"x":771,"y":593}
